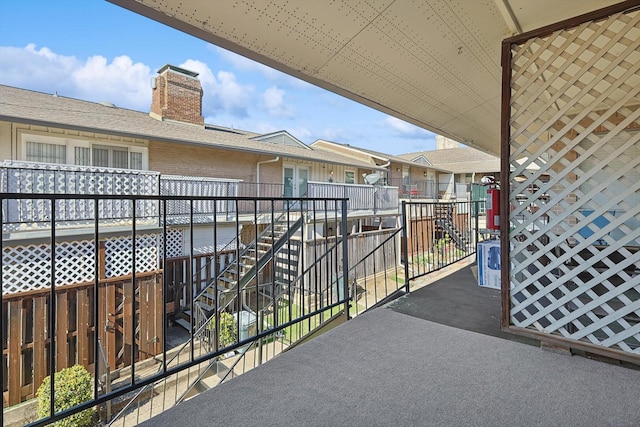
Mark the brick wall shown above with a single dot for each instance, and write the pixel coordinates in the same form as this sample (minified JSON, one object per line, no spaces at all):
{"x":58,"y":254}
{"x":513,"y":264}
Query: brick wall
{"x":178,"y":159}
{"x":177,"y":96}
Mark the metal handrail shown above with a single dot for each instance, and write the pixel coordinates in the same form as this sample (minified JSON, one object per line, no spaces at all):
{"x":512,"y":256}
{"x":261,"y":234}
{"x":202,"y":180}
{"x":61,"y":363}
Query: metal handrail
{"x":244,"y":250}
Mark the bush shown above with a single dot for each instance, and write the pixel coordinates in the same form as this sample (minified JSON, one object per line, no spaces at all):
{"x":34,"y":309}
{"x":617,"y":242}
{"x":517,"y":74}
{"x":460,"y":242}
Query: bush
{"x":228,"y":333}
{"x":73,"y":386}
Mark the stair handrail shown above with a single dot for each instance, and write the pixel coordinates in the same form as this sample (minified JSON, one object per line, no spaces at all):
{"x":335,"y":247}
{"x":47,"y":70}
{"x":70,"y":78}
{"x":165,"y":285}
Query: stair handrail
{"x":308,"y":269}
{"x":244,"y":250}
{"x":260,"y":264}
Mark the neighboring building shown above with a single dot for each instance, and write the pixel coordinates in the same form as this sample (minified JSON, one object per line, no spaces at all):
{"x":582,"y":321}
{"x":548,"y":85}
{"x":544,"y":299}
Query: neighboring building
{"x":413,"y":179}
{"x":51,"y":144}
{"x":171,"y":141}
{"x":466,"y":166}
{"x":444,"y":143}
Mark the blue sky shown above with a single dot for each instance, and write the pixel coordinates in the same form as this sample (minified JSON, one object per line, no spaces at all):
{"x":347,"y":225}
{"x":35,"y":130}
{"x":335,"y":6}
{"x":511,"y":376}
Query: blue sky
{"x":97,"y":51}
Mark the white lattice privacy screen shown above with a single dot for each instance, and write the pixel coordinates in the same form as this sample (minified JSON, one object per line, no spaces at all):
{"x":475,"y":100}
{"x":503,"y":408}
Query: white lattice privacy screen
{"x":119,"y":255}
{"x":28,"y":267}
{"x":575,"y":182}
{"x":179,"y":211}
{"x":37,"y":178}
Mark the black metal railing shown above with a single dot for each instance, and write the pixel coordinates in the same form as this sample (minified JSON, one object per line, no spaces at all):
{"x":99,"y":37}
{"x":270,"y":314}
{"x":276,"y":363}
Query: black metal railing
{"x":439,"y":234}
{"x":415,"y":189}
{"x":335,"y":273}
{"x":118,"y":318}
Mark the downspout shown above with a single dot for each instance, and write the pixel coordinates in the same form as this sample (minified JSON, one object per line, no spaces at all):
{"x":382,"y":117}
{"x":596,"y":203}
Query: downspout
{"x":386,"y":178}
{"x":258,"y":172}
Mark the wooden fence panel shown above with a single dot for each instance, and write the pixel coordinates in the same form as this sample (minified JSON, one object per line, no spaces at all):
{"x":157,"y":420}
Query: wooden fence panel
{"x":27,"y":336}
{"x":40,"y":358}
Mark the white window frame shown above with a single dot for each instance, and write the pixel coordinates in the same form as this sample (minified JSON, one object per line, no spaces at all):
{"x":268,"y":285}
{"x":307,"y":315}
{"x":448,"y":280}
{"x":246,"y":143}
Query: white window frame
{"x":71,"y":144}
{"x":354,"y":176}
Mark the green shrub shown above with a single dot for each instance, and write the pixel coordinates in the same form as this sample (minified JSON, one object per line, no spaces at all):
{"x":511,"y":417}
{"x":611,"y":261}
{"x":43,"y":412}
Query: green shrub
{"x":73,"y":386}
{"x":228,"y":333}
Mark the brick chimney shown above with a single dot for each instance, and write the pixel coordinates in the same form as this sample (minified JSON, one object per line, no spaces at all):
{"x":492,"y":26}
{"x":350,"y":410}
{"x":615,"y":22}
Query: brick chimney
{"x":177,"y":95}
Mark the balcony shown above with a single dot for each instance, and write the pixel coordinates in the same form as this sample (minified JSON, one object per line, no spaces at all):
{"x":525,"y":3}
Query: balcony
{"x":362,"y":199}
{"x":419,"y":189}
{"x":116,"y":308}
{"x":421,"y":360}
{"x":74,"y":214}
{"x":435,"y":356}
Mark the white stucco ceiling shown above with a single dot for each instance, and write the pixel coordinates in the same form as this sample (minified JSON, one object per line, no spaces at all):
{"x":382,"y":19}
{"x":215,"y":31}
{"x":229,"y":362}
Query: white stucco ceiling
{"x":433,"y":63}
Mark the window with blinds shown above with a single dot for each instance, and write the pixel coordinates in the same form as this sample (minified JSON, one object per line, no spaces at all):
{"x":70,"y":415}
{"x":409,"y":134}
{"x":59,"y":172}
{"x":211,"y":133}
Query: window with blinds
{"x":46,"y":153}
{"x":45,"y":149}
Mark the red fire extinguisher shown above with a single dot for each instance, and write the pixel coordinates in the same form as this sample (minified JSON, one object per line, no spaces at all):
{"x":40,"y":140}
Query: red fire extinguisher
{"x":493,"y":209}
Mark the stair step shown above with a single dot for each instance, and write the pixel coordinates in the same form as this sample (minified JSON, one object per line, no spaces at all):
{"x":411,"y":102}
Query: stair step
{"x":209,"y":294}
{"x":286,"y":260}
{"x":184,"y":323}
{"x":205,"y":306}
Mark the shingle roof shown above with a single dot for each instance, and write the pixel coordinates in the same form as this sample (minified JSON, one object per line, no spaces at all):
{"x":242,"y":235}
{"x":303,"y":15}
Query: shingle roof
{"x":380,"y":155}
{"x":459,"y":160}
{"x":25,"y":106}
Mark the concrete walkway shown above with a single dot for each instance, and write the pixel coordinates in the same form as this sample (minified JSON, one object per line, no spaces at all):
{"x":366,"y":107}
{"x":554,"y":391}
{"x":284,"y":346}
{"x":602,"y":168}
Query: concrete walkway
{"x":393,"y":367}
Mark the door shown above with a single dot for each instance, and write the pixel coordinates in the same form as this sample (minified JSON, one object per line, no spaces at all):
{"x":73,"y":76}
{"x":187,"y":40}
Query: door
{"x":296,"y":180}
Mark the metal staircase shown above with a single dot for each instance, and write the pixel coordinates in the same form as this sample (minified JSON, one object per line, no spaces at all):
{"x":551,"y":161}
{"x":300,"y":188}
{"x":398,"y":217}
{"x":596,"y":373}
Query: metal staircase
{"x":276,"y":245}
{"x":444,"y":224}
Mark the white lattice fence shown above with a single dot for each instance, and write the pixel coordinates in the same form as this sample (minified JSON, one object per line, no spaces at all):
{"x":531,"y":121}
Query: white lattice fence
{"x":119,"y":255}
{"x":180,"y":211}
{"x":174,"y":243}
{"x":575,"y":183}
{"x":28,"y":267}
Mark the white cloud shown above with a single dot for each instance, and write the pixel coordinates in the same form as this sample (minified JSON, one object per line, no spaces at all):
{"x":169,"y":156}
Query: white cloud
{"x":273,"y":101}
{"x":122,"y":82}
{"x":37,"y":69}
{"x":222,"y":92}
{"x":334,"y":135}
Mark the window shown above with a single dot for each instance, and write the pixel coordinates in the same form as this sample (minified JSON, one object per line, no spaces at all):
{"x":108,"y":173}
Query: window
{"x":349,"y":177}
{"x":135,"y":160}
{"x":82,"y":156}
{"x":47,"y":149}
{"x":46,"y":153}
{"x":110,"y":157}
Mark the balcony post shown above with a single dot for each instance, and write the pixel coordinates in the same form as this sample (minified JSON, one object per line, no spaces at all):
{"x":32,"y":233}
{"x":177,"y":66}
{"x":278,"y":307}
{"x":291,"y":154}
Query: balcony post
{"x":345,"y":259}
{"x":405,"y":246}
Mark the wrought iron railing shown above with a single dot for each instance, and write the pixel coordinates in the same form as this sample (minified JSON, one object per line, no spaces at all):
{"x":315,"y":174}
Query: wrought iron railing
{"x":439,"y":234}
{"x":100,"y":306}
{"x":415,"y":189}
{"x":280,"y":311}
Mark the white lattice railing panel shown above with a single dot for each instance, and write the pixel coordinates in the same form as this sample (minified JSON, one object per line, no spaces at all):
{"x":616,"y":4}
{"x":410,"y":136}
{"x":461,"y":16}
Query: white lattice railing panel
{"x":575,"y":183}
{"x":28,"y":267}
{"x":119,"y":255}
{"x":180,"y":211}
{"x":37,"y":178}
